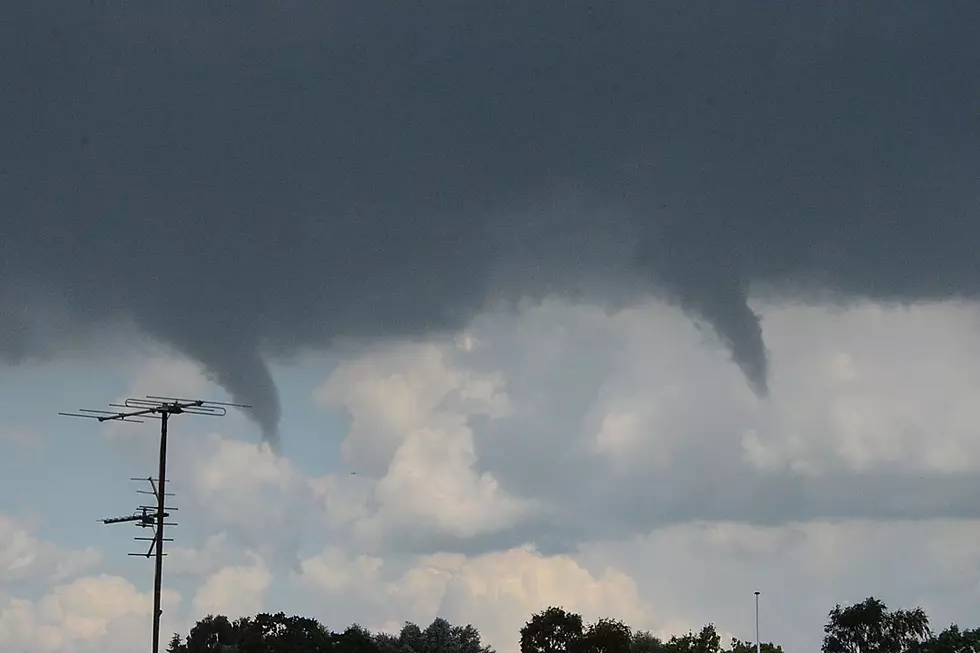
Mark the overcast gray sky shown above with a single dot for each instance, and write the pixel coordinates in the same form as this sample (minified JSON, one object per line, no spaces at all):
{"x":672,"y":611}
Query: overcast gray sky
{"x":252,"y":180}
{"x":711,"y":264}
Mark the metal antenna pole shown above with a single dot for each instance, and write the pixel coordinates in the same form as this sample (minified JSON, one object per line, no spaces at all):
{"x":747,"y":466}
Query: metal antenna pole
{"x":158,"y":571}
{"x":758,"y":644}
{"x":160,"y":408}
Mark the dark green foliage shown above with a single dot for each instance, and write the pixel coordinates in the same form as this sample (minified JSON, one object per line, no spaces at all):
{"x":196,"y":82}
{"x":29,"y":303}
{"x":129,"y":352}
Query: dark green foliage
{"x":869,"y":626}
{"x":277,"y":633}
{"x":386,"y":643}
{"x":410,"y":638}
{"x":866,"y":627}
{"x":952,"y":640}
{"x":210,"y":634}
{"x":645,"y":642}
{"x":738,"y":646}
{"x":706,"y":640}
{"x":552,"y":631}
{"x":607,"y":636}
{"x":468,"y":640}
{"x":176,"y":645}
{"x":353,"y":640}
{"x":439,"y":638}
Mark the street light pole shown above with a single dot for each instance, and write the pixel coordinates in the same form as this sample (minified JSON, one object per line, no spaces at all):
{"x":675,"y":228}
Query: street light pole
{"x":758,"y":643}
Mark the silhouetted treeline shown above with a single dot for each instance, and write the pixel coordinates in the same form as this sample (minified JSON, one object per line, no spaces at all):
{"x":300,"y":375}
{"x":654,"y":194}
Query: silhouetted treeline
{"x":866,"y":627}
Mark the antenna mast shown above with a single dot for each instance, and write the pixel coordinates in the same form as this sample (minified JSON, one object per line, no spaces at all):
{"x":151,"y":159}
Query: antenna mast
{"x":136,"y":410}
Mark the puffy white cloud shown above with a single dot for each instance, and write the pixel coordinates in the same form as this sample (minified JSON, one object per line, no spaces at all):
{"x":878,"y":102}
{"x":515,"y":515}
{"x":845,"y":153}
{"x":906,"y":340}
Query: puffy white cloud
{"x":497,"y":592}
{"x":431,"y":478}
{"x":107,"y":613}
{"x":216,"y":552}
{"x":94,"y":614}
{"x":25,"y":557}
{"x":621,"y":409}
{"x":871,"y":388}
{"x":234,"y":591}
{"x":616,"y":424}
{"x":628,"y":448}
{"x":410,"y":412}
{"x":237,"y":482}
{"x":334,"y":572}
{"x":534,"y":424}
{"x":243,"y":490}
{"x":394,"y":390}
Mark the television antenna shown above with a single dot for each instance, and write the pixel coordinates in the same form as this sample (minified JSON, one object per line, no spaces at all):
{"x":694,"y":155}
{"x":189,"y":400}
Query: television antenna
{"x":137,"y":410}
{"x":147,"y":516}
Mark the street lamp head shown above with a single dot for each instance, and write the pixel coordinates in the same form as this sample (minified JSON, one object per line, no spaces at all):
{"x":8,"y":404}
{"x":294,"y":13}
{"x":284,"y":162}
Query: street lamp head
{"x":757,"y":592}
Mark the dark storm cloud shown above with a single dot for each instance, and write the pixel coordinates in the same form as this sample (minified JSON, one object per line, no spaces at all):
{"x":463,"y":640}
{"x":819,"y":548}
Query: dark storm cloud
{"x":620,"y":513}
{"x":244,"y":181}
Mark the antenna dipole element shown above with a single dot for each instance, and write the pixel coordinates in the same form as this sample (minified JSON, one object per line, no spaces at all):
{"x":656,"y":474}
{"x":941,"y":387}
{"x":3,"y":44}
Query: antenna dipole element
{"x":138,"y":409}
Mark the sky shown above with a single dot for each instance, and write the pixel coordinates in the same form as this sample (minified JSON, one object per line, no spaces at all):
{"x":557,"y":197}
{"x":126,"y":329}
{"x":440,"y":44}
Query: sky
{"x":630,"y":307}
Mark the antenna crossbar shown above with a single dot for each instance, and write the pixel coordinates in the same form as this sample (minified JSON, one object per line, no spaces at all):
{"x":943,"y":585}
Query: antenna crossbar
{"x":119,"y":520}
{"x":156,"y":407}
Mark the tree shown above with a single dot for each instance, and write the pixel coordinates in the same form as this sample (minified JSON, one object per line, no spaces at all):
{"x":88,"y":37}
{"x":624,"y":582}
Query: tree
{"x":210,"y":634}
{"x":176,"y":645}
{"x":302,"y":635}
{"x":468,"y":640}
{"x":706,"y":640}
{"x":643,"y":641}
{"x":250,"y":636}
{"x":738,"y":646}
{"x":438,"y":637}
{"x":869,"y":626}
{"x":552,"y":631}
{"x":953,"y":640}
{"x":387,"y":643}
{"x":410,"y":638}
{"x":353,"y":640}
{"x":607,"y":636}
{"x":259,"y":634}
{"x":277,"y":633}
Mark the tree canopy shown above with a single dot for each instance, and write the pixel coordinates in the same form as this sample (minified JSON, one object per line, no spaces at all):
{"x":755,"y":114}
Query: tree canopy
{"x":865,"y":627}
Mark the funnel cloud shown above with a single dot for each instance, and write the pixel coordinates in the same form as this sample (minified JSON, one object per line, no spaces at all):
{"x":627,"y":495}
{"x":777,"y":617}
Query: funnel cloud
{"x":245,"y":182}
